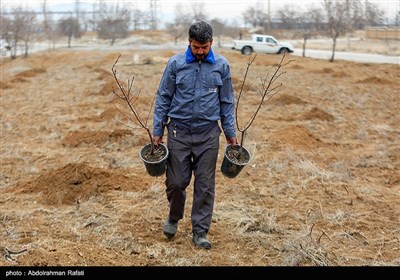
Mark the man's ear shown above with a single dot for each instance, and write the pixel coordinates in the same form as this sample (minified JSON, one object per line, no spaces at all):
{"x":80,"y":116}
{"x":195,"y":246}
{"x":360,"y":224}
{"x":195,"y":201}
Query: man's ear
{"x":211,"y":41}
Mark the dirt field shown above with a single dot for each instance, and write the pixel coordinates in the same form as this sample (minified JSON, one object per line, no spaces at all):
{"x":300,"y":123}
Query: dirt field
{"x":322,"y":188}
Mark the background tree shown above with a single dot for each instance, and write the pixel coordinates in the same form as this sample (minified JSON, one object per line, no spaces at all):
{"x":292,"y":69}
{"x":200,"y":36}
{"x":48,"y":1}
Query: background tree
{"x":373,"y":14}
{"x":138,"y":18}
{"x":335,"y":20}
{"x":179,"y":27}
{"x":357,"y":12}
{"x":199,"y":11}
{"x":18,"y":27}
{"x":288,"y":16}
{"x":255,"y":16}
{"x":218,"y":28}
{"x":47,"y":22}
{"x":5,"y":30}
{"x":310,"y":22}
{"x":114,"y":22}
{"x":29,"y":28}
{"x":69,"y":27}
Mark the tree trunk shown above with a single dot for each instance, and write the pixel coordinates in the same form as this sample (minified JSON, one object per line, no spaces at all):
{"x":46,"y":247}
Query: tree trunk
{"x":333,"y":49}
{"x":304,"y":46}
{"x":26,"y":49}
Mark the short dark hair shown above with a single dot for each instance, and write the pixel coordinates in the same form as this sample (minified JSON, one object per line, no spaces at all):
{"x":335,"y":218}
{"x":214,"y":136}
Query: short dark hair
{"x":201,"y":31}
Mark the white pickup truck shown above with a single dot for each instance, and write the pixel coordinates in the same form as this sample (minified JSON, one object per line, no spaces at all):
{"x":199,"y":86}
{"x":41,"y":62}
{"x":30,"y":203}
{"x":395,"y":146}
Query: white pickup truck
{"x":262,"y":44}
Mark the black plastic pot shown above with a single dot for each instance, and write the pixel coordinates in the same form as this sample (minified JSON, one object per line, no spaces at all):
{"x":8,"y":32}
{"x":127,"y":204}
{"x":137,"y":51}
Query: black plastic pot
{"x":231,"y":167}
{"x":154,"y":168}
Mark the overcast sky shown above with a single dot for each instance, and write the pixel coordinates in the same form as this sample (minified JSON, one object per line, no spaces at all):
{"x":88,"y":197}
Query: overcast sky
{"x":223,"y":9}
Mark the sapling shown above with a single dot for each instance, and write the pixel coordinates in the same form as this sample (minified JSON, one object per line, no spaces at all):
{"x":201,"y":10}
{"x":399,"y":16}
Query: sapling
{"x":267,"y":89}
{"x":130,"y":99}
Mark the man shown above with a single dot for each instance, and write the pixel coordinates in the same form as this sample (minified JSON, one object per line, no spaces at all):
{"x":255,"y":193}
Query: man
{"x":195,"y":92}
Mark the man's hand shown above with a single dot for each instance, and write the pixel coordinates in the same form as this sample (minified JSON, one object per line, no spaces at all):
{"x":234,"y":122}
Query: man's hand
{"x":157,"y":140}
{"x":232,"y":140}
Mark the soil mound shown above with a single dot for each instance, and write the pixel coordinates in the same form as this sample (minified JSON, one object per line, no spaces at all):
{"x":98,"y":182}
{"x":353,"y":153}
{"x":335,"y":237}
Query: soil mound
{"x":77,"y":182}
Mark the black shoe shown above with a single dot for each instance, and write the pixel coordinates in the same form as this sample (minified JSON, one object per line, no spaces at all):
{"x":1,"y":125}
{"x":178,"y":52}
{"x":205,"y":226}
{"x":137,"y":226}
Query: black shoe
{"x":201,"y":241}
{"x":170,"y":228}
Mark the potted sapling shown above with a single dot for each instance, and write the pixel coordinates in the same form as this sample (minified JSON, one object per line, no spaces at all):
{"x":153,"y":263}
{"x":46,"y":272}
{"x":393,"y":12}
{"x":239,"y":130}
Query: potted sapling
{"x":154,"y":158}
{"x":237,"y":157}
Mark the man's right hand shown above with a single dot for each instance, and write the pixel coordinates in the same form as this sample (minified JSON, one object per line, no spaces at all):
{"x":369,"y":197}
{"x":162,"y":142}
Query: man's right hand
{"x":232,"y":140}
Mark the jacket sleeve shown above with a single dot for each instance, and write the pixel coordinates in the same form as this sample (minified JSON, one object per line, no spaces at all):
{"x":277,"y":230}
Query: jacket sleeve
{"x":165,"y":93}
{"x":227,"y":101}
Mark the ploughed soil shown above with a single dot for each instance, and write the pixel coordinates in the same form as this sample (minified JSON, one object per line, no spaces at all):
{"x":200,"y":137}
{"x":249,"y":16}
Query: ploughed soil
{"x":322,"y":186}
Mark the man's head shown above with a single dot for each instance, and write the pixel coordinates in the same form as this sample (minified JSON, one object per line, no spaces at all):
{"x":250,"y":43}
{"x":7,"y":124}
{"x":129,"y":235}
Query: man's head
{"x":200,"y":39}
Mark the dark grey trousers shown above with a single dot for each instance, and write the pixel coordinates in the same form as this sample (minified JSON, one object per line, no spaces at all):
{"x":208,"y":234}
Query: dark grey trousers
{"x":192,"y":153}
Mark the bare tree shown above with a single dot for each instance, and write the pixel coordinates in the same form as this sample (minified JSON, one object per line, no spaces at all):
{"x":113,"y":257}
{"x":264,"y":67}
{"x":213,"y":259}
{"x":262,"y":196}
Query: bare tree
{"x":218,"y":27}
{"x":176,"y":30}
{"x":47,"y":28}
{"x":373,"y":14}
{"x":138,"y":18}
{"x":29,"y":30}
{"x":336,"y":21}
{"x":255,"y":16}
{"x":356,"y":14}
{"x":18,"y":28}
{"x":288,"y":16}
{"x":5,"y":30}
{"x":183,"y":19}
{"x":69,"y":27}
{"x":199,"y":10}
{"x":114,"y":22}
{"x":112,"y":29}
{"x":309,"y":22}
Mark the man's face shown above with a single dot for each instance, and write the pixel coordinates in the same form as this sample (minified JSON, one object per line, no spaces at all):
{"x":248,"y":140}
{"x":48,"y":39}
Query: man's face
{"x":200,"y":50}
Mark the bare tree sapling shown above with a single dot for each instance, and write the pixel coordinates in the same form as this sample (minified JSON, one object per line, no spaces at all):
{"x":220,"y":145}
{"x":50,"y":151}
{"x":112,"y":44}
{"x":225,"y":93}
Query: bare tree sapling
{"x":130,"y":99}
{"x":267,"y":89}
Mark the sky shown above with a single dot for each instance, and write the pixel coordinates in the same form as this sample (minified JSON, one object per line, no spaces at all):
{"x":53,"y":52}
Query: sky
{"x":222,"y":9}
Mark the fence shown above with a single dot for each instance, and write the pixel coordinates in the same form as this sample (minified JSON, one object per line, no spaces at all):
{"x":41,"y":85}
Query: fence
{"x":383,"y":33}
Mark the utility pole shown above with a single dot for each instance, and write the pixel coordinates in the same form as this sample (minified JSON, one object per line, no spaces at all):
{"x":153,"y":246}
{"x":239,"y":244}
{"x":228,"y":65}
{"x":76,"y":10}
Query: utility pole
{"x":348,"y":21}
{"x":153,"y":14}
{"x":366,"y":14}
{"x":269,"y":15}
{"x":77,"y":4}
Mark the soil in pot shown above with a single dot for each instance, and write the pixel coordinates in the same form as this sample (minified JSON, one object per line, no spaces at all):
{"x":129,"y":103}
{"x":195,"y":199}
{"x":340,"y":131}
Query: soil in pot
{"x":159,"y":153}
{"x":155,"y":163}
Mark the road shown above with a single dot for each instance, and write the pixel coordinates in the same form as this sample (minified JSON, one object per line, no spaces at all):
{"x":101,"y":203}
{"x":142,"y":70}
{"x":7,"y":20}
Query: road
{"x":319,"y":54}
{"x":350,"y":56}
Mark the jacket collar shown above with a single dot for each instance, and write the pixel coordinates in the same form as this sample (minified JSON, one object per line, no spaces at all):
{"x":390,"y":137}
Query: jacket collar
{"x":190,"y":57}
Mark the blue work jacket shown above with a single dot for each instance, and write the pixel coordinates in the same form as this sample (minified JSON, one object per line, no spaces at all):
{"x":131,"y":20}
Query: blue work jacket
{"x":195,"y":93}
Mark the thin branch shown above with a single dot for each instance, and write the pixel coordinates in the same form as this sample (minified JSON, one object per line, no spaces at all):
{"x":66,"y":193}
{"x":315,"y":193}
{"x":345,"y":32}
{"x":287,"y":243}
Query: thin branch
{"x":124,"y":124}
{"x":126,"y":116}
{"x":242,"y":86}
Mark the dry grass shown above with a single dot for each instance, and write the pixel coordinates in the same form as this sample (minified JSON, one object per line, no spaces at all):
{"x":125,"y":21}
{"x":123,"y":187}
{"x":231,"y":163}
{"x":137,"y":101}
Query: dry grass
{"x":322,"y":188}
